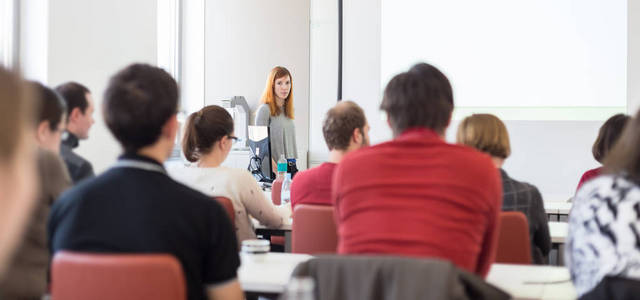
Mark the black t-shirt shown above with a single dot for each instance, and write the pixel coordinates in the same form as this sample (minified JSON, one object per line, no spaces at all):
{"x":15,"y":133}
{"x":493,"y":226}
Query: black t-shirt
{"x":133,"y":210}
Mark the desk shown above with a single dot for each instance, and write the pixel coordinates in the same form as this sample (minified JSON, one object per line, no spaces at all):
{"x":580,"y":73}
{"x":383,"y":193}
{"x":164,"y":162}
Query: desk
{"x":268,"y":276}
{"x":558,"y":232}
{"x":533,"y":282}
{"x":284,"y":230}
{"x":557,"y":211}
{"x":271,"y":276}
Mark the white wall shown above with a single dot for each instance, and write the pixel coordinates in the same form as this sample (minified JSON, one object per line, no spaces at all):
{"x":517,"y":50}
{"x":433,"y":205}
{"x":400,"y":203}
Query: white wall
{"x":88,"y":41}
{"x":244,"y":40}
{"x":549,"y":154}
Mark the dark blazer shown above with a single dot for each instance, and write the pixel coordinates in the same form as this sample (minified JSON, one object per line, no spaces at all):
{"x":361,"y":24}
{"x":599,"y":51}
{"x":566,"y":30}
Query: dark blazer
{"x":524,"y":197}
{"x":79,"y":168}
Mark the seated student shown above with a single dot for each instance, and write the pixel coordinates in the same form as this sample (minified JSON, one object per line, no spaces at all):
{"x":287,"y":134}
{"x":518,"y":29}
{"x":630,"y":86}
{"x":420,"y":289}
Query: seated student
{"x":135,"y":207}
{"x":207,"y":141}
{"x":418,"y":195}
{"x":488,"y":134}
{"x":345,"y":130}
{"x":604,"y":224}
{"x":17,"y":163}
{"x":607,"y":137}
{"x":80,"y":119}
{"x":27,"y":274}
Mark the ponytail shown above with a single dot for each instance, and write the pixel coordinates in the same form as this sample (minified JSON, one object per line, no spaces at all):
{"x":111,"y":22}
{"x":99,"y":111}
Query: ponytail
{"x":189,"y":140}
{"x":203,"y":129}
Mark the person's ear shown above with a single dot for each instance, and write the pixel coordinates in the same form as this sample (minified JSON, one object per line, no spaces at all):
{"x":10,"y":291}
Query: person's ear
{"x":222,"y":143}
{"x":74,"y":115}
{"x":356,"y":136}
{"x":42,"y":131}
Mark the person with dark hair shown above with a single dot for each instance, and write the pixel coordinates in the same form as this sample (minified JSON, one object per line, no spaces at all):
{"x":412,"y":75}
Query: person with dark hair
{"x":80,"y":119}
{"x":135,"y":207}
{"x":418,"y":195}
{"x":207,"y":141}
{"x":602,"y":251}
{"x":488,"y":134}
{"x":17,"y":164}
{"x":345,"y":130}
{"x":607,"y":137}
{"x":27,"y":275}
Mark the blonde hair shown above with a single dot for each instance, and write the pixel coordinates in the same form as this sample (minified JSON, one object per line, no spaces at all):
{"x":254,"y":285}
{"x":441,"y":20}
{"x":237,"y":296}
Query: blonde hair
{"x":268,"y":96}
{"x":486,"y":133}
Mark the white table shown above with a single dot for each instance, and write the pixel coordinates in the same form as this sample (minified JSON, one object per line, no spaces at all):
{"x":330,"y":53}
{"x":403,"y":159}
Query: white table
{"x":532,"y":282}
{"x":270,"y":275}
{"x":521,"y":281}
{"x":558,"y":231}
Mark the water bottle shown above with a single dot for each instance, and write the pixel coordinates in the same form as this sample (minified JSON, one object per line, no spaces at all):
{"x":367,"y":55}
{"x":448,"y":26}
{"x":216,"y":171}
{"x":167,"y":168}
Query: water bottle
{"x":282,"y":166}
{"x":276,"y":186}
{"x":286,"y":190}
{"x":300,"y":288}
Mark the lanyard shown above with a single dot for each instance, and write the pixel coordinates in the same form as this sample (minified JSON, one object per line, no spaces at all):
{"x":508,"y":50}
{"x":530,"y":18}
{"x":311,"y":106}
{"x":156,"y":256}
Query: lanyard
{"x":136,"y":164}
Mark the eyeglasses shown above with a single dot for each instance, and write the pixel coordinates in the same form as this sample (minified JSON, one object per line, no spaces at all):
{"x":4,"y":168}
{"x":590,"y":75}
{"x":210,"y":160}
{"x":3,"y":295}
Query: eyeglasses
{"x":234,"y":138}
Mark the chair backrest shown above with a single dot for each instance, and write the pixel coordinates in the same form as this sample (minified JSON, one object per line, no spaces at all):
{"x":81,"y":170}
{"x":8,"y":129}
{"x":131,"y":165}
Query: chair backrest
{"x":95,"y":276}
{"x":313,"y":229}
{"x":514,"y":245}
{"x":387,"y":277}
{"x":228,"y":206}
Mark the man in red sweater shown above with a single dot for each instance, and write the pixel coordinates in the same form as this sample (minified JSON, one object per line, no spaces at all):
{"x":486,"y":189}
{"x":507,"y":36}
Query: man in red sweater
{"x":345,"y":130}
{"x":418,"y":195}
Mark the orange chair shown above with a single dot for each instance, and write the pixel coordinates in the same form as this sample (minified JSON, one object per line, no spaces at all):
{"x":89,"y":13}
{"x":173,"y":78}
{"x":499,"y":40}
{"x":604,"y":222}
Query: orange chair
{"x":514,"y":246}
{"x":313,"y":230}
{"x":116,"y":276}
{"x":228,"y":206}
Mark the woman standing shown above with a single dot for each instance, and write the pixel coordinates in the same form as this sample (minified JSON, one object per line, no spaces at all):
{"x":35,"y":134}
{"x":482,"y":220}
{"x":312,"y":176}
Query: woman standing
{"x":276,"y":112}
{"x":207,"y":141}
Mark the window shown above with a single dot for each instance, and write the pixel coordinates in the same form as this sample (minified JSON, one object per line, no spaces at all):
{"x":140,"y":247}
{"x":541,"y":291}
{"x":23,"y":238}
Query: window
{"x":8,"y":33}
{"x":169,"y":20}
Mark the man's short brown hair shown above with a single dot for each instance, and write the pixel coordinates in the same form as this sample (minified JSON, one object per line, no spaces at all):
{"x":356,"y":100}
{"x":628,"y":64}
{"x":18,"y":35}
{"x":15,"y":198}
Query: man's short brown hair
{"x":420,"y":97}
{"x":340,"y":122}
{"x":486,"y":133}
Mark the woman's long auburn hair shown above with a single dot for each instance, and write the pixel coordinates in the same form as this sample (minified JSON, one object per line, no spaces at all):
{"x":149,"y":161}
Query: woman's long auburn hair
{"x":269,"y":97}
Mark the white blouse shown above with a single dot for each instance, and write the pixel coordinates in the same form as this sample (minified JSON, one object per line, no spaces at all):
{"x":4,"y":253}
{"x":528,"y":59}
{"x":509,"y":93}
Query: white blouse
{"x":243,"y":191}
{"x":604,"y":232}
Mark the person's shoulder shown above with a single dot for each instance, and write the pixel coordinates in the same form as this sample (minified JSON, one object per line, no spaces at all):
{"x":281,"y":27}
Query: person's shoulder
{"x":48,"y":160}
{"x":513,"y":186}
{"x":605,"y":184}
{"x":263,"y":108}
{"x":366,"y":153}
{"x":70,"y":157}
{"x":187,"y":193}
{"x":241,"y":176}
{"x":86,"y":190}
{"x":308,"y":175}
